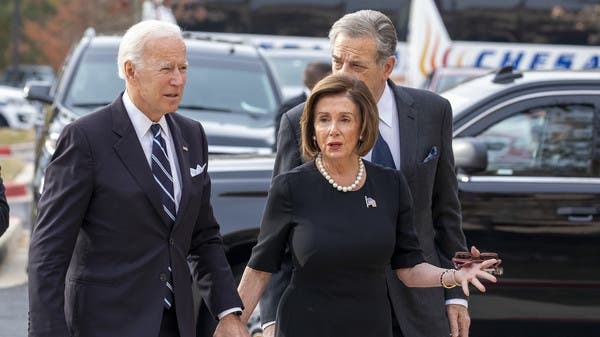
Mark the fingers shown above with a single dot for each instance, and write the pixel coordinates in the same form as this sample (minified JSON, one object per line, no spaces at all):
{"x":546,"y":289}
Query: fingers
{"x":475,"y":252}
{"x":464,"y":327}
{"x":465,"y":287}
{"x":453,"y":320}
{"x":488,"y":263}
{"x":487,"y":276}
{"x":475,"y":281}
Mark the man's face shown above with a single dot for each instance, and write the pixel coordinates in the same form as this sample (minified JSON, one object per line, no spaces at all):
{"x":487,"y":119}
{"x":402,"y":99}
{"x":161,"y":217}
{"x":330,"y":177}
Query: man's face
{"x":156,"y":85}
{"x":357,"y":56}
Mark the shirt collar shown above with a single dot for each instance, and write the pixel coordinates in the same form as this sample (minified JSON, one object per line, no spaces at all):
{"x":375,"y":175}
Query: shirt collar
{"x":386,"y":106}
{"x":141,"y":123}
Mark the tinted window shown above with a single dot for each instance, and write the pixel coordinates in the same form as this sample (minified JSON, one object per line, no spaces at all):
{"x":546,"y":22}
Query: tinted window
{"x":230,"y":86}
{"x":556,"y":140}
{"x":213,"y":84}
{"x":96,"y":82}
{"x":527,"y":21}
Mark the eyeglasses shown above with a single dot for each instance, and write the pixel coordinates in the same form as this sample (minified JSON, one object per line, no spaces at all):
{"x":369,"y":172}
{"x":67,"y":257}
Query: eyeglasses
{"x":462,"y":259}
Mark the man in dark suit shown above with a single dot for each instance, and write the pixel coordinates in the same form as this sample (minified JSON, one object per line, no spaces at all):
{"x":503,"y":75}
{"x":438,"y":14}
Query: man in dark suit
{"x":126,"y":203}
{"x":313,"y":73}
{"x":4,"y":209}
{"x":416,"y":130}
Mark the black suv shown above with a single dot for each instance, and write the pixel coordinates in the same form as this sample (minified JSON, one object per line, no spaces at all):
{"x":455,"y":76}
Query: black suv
{"x":230,"y":89}
{"x":527,"y":150}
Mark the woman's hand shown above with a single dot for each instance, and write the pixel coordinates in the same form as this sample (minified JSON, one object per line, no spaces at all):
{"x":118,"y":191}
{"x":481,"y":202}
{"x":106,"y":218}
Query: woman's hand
{"x":472,"y":272}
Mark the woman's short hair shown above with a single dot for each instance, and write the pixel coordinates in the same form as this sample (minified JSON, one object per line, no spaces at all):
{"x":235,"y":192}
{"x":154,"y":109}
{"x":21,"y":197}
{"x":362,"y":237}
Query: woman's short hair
{"x":133,"y":41}
{"x":357,"y":92}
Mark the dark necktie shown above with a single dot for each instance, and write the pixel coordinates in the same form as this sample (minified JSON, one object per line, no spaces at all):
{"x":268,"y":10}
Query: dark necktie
{"x":381,"y":153}
{"x":161,"y":170}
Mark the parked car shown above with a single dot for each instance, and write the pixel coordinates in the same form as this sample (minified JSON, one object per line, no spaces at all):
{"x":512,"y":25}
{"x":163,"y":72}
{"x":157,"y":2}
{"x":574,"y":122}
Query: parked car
{"x":443,"y":78}
{"x":288,"y":64}
{"x":230,"y":89}
{"x":527,"y":151}
{"x":15,"y":111}
{"x":26,"y":72}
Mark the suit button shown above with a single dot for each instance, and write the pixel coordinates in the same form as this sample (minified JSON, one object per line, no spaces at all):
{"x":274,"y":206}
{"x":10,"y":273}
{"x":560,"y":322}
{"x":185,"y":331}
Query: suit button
{"x":172,"y":242}
{"x":163,"y":277}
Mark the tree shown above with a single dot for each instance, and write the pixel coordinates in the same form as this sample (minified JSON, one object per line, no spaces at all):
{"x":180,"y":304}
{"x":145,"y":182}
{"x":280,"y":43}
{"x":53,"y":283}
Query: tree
{"x":51,"y":27}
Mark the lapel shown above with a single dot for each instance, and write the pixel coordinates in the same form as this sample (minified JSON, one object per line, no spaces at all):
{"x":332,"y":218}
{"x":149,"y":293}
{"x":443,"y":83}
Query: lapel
{"x":129,"y":150}
{"x":183,"y":160}
{"x":407,"y":125}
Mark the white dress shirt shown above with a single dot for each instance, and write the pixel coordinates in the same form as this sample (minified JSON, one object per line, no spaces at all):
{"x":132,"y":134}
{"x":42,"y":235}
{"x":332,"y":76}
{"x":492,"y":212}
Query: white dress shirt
{"x":141,"y":125}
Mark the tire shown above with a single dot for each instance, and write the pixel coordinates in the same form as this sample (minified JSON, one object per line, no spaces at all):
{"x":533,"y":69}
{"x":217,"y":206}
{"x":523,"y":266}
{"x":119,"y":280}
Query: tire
{"x":3,"y":122}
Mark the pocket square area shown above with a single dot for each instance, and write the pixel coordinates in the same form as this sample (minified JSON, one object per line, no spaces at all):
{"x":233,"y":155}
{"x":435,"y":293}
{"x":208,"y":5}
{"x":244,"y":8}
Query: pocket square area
{"x":194,"y":171}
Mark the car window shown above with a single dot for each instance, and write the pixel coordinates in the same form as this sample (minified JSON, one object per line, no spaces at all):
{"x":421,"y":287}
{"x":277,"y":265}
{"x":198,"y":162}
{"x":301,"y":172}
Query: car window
{"x":553,"y":140}
{"x":96,"y":82}
{"x":220,"y":86}
{"x":232,"y":86}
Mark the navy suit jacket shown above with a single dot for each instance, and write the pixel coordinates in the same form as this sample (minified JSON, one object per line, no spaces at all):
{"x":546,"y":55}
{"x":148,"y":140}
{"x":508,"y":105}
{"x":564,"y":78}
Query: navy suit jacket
{"x":102,"y":243}
{"x":425,"y":121}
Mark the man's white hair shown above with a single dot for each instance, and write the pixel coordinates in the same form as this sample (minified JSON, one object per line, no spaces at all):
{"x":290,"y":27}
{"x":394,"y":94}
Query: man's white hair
{"x":132,"y":44}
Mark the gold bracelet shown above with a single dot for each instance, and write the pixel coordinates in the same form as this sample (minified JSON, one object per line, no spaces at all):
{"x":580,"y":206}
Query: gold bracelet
{"x":454,"y":278}
{"x":442,"y":280}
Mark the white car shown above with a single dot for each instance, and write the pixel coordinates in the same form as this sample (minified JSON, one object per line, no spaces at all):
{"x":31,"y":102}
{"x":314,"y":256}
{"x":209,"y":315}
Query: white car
{"x":15,"y":111}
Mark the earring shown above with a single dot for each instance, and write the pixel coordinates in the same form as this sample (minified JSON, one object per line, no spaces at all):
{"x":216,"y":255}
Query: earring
{"x":314,"y":137}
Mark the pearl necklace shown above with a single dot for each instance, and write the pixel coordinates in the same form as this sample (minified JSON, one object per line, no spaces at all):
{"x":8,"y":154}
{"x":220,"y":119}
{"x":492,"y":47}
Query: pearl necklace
{"x":321,"y":167}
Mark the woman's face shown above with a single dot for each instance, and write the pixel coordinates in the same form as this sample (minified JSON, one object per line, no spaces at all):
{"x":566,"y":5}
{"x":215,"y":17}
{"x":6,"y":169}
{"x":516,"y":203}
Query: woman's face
{"x":337,"y":126}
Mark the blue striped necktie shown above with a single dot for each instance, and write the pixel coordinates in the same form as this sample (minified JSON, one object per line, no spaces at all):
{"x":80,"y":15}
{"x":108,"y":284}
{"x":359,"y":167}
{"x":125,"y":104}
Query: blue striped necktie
{"x":381,"y":153}
{"x":161,"y":170}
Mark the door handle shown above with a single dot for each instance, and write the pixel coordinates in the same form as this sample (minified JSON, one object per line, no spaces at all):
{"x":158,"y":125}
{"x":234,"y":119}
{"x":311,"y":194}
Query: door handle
{"x":579,"y":214}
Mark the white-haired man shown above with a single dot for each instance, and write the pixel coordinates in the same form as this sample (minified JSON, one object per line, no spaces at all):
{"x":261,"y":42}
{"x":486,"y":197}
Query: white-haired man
{"x":122,"y":211}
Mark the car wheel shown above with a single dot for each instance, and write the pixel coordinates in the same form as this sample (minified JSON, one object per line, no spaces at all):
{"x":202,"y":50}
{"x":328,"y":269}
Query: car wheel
{"x":3,"y":122}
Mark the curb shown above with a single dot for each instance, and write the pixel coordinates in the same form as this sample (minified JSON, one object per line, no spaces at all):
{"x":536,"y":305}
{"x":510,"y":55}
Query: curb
{"x":19,"y":187}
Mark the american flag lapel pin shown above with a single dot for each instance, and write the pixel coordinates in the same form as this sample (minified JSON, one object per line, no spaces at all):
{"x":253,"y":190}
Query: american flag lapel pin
{"x":370,"y":202}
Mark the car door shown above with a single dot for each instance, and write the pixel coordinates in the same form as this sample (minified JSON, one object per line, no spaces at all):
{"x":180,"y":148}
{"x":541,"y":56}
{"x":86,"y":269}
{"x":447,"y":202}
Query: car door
{"x":538,"y":205}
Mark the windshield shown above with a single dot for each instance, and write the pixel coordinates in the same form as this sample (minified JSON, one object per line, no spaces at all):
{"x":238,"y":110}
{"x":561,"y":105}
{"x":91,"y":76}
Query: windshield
{"x":217,"y":85}
{"x":229,"y":85}
{"x":290,"y":68}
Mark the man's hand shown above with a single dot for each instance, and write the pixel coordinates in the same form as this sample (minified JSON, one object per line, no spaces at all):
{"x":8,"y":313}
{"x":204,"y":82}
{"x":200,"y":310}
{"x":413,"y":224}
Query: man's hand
{"x":269,"y":331}
{"x":231,"y":326}
{"x":459,"y":319}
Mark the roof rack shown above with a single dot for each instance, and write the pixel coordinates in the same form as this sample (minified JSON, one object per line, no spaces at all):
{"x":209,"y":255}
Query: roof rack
{"x":204,"y":36}
{"x":89,"y":32}
{"x":506,"y":75}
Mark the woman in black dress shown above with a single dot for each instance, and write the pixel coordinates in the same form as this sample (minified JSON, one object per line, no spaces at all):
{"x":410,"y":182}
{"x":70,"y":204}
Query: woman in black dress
{"x":345,"y":220}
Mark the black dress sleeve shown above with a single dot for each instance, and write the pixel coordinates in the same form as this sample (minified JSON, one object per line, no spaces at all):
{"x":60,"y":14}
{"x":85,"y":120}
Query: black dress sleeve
{"x":274,"y":229}
{"x":407,"y":252}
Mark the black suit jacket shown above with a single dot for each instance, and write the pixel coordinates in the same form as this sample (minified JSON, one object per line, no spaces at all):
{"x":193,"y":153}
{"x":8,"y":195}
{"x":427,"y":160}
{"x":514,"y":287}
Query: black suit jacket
{"x":425,"y":121}
{"x":286,"y":106}
{"x":101,"y":246}
{"x":4,"y":209}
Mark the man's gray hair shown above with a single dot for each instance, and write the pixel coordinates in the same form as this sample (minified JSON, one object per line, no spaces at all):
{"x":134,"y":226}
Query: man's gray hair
{"x":368,"y":23}
{"x":132,"y":44}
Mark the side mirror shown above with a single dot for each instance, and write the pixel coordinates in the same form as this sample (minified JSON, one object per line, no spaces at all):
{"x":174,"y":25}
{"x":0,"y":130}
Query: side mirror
{"x":470,"y":155}
{"x":38,"y":91}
